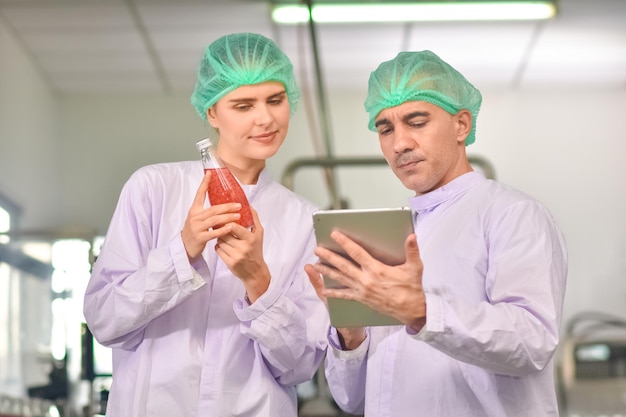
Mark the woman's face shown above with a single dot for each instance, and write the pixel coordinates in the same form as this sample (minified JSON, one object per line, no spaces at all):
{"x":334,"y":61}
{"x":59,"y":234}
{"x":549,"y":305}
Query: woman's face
{"x":252,"y":122}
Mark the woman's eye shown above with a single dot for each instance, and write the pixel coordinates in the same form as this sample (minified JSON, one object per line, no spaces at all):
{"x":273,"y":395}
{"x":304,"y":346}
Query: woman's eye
{"x":242,"y":107}
{"x":276,"y":101}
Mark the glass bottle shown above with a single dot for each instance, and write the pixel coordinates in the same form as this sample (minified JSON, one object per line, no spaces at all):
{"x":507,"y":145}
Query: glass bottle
{"x":223,"y":186}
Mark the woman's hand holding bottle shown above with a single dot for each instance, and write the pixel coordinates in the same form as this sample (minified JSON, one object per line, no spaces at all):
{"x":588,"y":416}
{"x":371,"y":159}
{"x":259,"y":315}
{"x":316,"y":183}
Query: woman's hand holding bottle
{"x":204,"y":224}
{"x":242,"y":252}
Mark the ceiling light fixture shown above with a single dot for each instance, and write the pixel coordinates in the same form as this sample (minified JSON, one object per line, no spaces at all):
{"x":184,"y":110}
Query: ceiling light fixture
{"x":420,"y":11}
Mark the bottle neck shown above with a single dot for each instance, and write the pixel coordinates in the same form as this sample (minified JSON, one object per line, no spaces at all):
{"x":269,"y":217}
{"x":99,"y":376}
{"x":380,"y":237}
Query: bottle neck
{"x":246,"y":171}
{"x":210,"y":159}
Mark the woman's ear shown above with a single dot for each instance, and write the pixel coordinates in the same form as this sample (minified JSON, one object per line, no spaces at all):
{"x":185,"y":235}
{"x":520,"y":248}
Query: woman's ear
{"x":464,"y":124}
{"x":210,"y":116}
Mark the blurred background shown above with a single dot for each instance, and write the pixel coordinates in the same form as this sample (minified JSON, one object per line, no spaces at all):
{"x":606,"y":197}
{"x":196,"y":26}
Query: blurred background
{"x":91,"y":90}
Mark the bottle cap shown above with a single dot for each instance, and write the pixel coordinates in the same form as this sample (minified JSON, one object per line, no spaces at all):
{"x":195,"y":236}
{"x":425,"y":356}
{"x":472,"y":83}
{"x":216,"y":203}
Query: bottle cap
{"x":203,"y":143}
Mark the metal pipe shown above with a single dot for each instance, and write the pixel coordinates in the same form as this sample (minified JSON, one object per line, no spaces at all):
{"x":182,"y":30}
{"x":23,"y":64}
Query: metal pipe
{"x":287,"y":178}
{"x":331,"y":177}
{"x":295,"y":165}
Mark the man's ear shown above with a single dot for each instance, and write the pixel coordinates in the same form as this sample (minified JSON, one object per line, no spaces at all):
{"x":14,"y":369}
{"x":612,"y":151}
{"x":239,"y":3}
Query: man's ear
{"x":464,"y":124}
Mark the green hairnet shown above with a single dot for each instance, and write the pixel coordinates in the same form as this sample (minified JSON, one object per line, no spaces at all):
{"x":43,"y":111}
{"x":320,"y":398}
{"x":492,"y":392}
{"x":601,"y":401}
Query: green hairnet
{"x":421,"y":76}
{"x":241,"y":59}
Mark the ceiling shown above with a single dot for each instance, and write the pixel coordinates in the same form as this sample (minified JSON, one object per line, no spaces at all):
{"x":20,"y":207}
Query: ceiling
{"x":128,"y":46}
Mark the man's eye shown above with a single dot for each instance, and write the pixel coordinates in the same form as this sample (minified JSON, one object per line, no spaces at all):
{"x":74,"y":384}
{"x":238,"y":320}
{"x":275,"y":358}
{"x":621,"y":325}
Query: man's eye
{"x":385,"y":131}
{"x":418,"y":124}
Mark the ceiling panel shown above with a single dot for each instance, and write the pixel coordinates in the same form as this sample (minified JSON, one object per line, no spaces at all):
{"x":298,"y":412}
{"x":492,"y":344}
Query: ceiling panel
{"x":346,"y":57}
{"x":107,"y":83}
{"x":67,"y":16}
{"x":84,"y":42}
{"x":155,"y":45}
{"x":113,"y":62}
{"x":216,"y":14}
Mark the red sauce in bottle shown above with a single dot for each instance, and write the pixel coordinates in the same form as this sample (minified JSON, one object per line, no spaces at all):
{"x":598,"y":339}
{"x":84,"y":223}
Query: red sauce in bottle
{"x":224,"y":188}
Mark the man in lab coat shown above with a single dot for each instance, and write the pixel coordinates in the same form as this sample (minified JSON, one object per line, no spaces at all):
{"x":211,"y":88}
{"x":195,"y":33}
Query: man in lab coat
{"x":481,"y":292}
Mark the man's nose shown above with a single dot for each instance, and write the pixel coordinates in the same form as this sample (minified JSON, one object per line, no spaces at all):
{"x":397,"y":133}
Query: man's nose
{"x":403,"y":140}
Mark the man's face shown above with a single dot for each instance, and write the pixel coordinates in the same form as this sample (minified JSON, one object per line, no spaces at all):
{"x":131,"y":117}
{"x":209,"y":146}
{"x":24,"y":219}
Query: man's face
{"x":423,"y":144}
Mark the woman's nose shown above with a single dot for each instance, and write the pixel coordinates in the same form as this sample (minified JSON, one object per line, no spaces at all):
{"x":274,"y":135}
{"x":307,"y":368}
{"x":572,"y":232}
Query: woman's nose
{"x":263,"y":115}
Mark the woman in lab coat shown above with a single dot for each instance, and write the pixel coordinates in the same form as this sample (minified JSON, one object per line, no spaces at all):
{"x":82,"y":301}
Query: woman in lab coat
{"x":207,"y":321}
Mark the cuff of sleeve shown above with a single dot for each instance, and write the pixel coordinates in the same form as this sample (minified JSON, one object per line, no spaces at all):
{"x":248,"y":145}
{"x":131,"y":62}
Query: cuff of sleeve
{"x":435,"y":323}
{"x":186,"y":274}
{"x":338,"y":352}
{"x":247,"y":312}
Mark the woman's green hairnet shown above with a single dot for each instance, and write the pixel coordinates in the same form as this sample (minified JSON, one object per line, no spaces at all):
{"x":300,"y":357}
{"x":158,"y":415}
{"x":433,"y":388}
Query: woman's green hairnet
{"x":241,"y":59}
{"x":421,"y":76}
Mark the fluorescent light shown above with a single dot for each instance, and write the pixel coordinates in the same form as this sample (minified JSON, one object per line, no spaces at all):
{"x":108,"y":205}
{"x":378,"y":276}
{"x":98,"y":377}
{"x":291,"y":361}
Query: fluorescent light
{"x":403,"y":12}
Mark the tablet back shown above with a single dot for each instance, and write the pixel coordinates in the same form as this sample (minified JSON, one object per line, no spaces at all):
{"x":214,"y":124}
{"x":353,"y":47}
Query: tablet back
{"x":382,"y":233}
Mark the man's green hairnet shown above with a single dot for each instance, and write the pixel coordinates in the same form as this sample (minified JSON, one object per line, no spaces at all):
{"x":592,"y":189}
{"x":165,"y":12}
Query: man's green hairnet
{"x":421,"y":76}
{"x":241,"y":59}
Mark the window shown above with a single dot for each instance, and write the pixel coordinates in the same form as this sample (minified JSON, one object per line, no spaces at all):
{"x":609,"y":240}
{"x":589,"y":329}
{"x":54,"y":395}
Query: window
{"x":5,"y":224}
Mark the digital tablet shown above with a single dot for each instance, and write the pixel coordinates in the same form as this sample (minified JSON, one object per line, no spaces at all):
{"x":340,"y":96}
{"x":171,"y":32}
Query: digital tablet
{"x":382,"y":233}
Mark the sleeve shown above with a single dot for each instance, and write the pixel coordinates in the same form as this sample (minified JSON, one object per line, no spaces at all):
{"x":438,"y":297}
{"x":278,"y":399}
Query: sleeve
{"x":515,"y":331}
{"x":135,"y":280}
{"x":289,"y":322}
{"x":345,"y":372}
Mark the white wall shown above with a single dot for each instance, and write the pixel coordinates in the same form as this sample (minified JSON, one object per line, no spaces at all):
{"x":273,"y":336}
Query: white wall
{"x":28,"y":136}
{"x":105,"y":139}
{"x":565,"y":148}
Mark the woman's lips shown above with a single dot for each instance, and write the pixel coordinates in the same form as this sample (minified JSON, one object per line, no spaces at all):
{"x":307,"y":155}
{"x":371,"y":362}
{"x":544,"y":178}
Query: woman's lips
{"x":265,"y":137}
